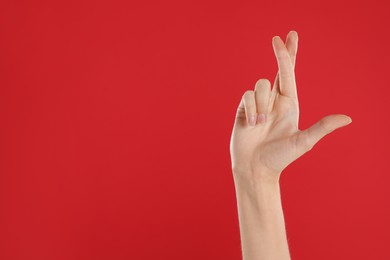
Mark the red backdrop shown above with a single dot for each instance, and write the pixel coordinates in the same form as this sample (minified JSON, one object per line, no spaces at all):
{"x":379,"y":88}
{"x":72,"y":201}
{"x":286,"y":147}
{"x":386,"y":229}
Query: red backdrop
{"x":115,"y":122}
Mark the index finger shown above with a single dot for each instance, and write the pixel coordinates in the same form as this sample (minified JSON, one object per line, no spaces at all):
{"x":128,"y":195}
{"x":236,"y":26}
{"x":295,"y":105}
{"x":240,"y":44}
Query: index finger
{"x":286,"y":68}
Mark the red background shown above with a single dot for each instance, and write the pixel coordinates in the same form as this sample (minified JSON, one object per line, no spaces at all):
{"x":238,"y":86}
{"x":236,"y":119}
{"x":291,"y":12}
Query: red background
{"x":116,"y":120}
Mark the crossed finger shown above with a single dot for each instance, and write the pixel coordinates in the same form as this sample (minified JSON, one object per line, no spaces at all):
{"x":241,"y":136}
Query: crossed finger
{"x":257,"y":104}
{"x":285,"y":56}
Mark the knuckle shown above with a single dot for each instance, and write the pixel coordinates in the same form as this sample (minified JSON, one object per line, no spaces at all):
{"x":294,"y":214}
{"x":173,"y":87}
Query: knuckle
{"x":324,"y":127}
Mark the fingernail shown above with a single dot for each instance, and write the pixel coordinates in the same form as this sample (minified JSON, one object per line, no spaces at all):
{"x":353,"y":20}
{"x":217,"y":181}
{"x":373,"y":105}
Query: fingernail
{"x":261,"y":118}
{"x":252,"y":120}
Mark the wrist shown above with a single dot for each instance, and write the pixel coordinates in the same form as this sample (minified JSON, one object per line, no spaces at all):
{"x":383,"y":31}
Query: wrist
{"x":256,"y":174}
{"x":256,"y":181}
{"x":258,"y":196}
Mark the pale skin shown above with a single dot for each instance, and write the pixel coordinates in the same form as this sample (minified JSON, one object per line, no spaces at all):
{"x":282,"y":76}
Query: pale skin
{"x":262,"y":148}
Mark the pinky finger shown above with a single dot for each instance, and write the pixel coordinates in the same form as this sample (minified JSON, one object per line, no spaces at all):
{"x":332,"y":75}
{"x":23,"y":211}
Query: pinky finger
{"x":250,"y":107}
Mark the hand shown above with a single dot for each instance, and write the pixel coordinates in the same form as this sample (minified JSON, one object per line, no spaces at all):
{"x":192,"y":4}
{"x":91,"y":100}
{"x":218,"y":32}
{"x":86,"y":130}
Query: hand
{"x":265,"y":137}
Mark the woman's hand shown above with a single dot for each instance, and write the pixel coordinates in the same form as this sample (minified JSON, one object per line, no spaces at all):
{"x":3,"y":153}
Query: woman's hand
{"x":266,"y":137}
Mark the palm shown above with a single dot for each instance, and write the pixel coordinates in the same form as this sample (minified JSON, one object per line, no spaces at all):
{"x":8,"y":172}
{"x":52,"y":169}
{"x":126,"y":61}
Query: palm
{"x":273,"y":145}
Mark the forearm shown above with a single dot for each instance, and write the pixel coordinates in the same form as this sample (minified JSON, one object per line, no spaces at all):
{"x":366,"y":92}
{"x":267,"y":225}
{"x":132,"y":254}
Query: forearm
{"x":261,"y":220}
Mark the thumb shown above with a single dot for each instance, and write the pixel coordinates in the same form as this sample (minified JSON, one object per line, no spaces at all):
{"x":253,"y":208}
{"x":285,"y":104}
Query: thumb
{"x":309,"y":137}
